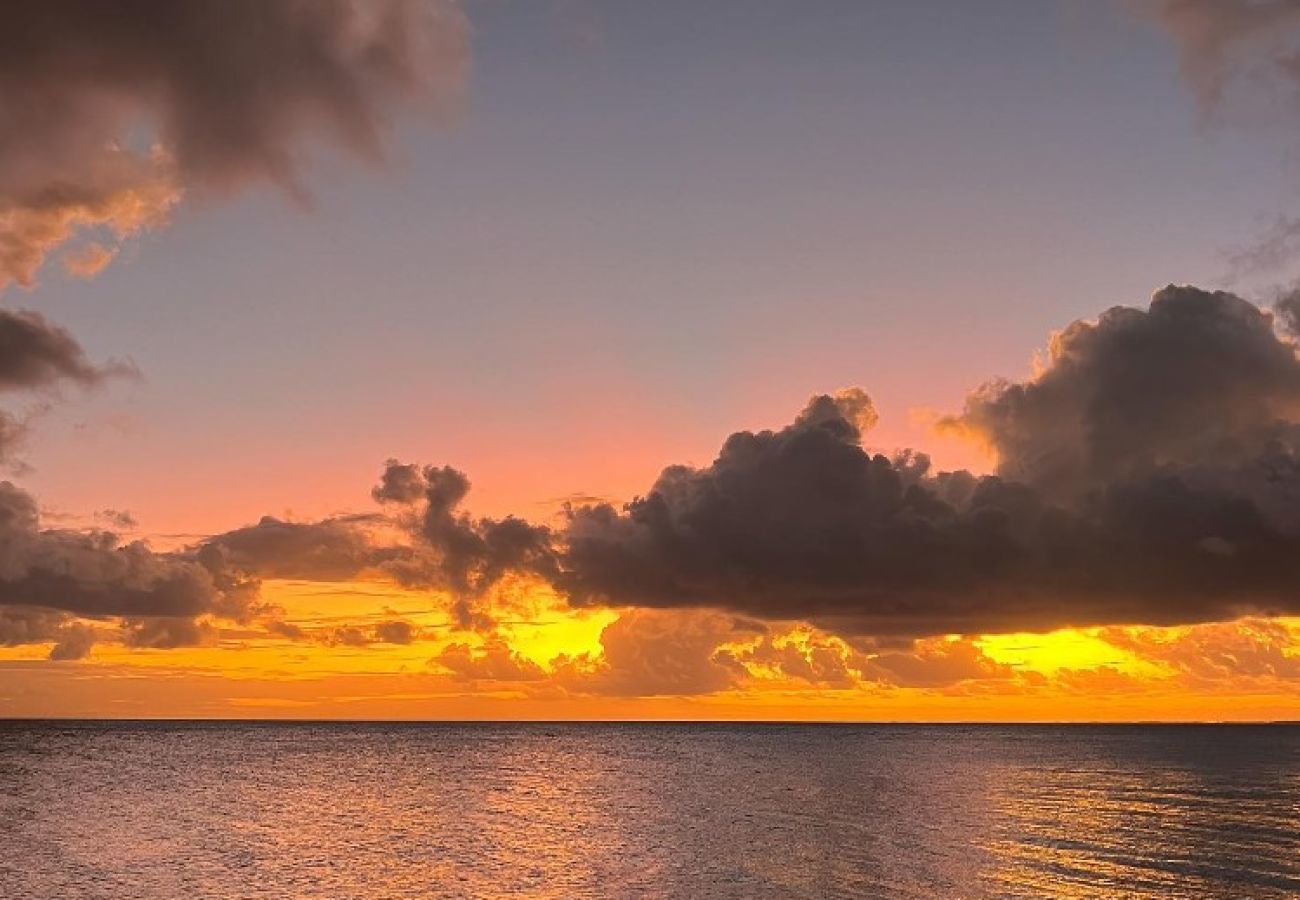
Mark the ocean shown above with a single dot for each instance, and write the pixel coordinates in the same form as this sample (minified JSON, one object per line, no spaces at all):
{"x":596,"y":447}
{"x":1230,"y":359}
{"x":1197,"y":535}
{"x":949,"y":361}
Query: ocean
{"x":281,"y":810}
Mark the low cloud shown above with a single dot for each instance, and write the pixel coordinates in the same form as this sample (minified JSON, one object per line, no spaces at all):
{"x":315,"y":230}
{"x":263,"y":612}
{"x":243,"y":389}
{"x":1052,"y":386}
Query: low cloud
{"x":495,"y":660}
{"x":1217,"y":652}
{"x":1146,"y":475}
{"x":456,"y":552}
{"x":649,"y":652}
{"x":50,"y":576}
{"x":337,"y":549}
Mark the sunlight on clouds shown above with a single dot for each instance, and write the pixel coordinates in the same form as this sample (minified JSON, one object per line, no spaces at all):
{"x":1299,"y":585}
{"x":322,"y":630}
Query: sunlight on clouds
{"x":1067,"y":649}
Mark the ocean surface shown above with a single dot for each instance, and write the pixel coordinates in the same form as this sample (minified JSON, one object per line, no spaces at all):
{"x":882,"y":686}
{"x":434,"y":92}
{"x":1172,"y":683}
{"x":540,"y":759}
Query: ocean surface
{"x":224,"y":810}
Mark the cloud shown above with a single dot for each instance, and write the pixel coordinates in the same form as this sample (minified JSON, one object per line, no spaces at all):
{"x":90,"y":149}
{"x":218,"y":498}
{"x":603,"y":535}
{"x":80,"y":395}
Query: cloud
{"x":336,"y":549}
{"x":49,"y":576}
{"x":647,"y":652}
{"x":1287,"y":309}
{"x":1241,"y":58}
{"x":396,"y":631}
{"x":460,"y":554}
{"x":166,"y":632}
{"x":35,"y":353}
{"x":110,"y":114}
{"x":38,"y":356}
{"x":74,"y":641}
{"x":1146,"y":475}
{"x":936,"y":663}
{"x":89,"y":261}
{"x":809,"y":656}
{"x":1197,"y":379}
{"x":1269,"y":251}
{"x":287,"y":630}
{"x":493,"y":661}
{"x":1217,"y":652}
{"x":1224,"y":43}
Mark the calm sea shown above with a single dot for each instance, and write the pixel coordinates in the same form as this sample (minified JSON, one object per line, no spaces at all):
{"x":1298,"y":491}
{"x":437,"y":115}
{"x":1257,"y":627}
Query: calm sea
{"x":139,"y":810}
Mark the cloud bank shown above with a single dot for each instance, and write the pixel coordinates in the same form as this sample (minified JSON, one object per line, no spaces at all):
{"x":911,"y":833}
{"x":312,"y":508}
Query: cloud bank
{"x":1148,"y":474}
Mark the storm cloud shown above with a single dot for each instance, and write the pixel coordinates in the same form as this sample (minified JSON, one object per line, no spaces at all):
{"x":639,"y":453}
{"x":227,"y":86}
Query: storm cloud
{"x":1146,"y":475}
{"x":109,"y":113}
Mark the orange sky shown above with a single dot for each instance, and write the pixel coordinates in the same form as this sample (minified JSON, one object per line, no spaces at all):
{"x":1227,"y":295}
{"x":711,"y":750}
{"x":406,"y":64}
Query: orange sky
{"x":548,"y":662}
{"x":612,"y":250}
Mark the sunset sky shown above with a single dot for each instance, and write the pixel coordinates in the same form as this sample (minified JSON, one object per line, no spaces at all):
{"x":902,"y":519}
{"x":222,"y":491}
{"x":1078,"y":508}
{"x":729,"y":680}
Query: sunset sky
{"x":568,"y":360}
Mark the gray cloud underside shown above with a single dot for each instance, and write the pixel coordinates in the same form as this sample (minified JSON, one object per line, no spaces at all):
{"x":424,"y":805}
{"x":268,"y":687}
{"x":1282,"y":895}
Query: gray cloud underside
{"x":1147,"y":475}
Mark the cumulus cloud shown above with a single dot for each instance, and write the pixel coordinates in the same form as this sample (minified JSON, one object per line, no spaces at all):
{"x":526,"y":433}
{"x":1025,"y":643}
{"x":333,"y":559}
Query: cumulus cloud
{"x":936,"y":663}
{"x":460,"y":554}
{"x":50,"y":576}
{"x":1147,"y":474}
{"x":109,"y":113}
{"x":1217,"y":652}
{"x":495,"y":660}
{"x":647,"y":652}
{"x":1197,"y":379}
{"x":166,"y":632}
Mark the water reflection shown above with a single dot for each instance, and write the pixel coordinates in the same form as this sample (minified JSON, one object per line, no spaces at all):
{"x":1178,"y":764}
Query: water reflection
{"x":322,"y":810}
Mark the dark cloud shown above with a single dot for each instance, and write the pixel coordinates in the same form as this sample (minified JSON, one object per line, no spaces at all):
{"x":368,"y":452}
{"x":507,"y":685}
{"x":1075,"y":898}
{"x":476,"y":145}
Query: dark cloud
{"x":1147,"y":474}
{"x":399,"y":483}
{"x":48,"y":576}
{"x":35,"y":353}
{"x":348,"y":636}
{"x":461,"y":554}
{"x":335,"y":549}
{"x":1287,"y":308}
{"x":936,"y":664}
{"x":23,"y":625}
{"x":119,"y":519}
{"x":288,"y":630}
{"x":74,"y":641}
{"x":166,"y":632}
{"x":396,"y":631}
{"x":33,"y":625}
{"x":1197,"y":379}
{"x":110,"y":112}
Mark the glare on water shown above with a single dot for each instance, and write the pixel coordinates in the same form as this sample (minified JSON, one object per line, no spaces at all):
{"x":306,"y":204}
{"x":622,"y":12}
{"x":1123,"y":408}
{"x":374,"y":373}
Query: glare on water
{"x":332,"y":810}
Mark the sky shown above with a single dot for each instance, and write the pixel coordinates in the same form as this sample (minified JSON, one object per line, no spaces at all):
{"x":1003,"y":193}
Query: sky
{"x":443,"y":289}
